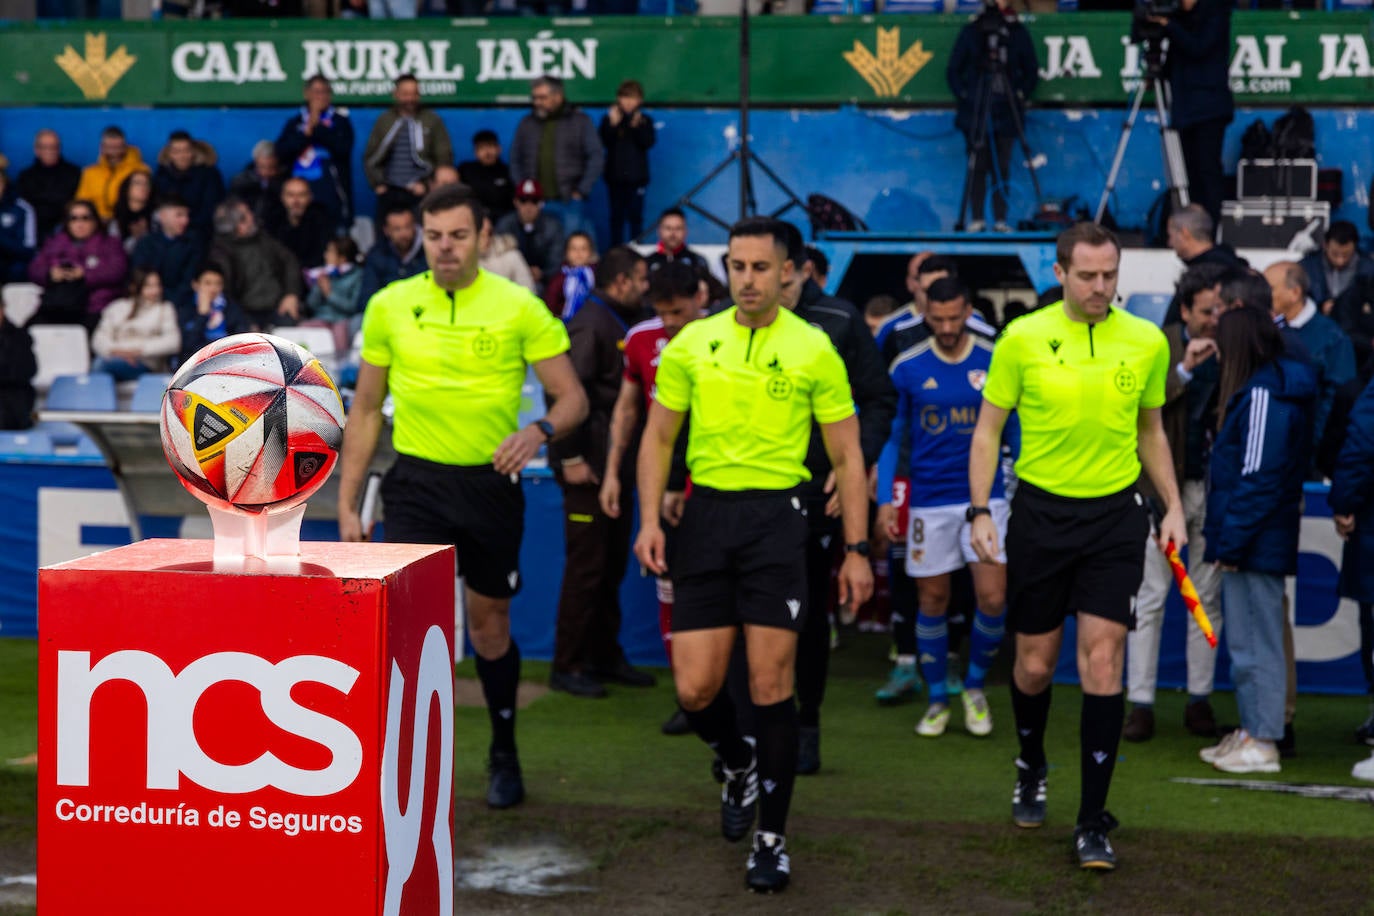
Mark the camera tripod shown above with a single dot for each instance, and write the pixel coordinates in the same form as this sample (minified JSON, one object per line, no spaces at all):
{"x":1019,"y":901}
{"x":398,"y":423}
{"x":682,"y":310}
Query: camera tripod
{"x":996,"y":84}
{"x":1175,"y":172}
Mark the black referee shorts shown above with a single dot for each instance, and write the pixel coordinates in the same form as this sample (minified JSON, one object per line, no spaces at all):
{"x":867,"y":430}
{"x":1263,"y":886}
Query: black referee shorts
{"x":480,"y":512}
{"x":1069,"y":556}
{"x":740,"y":557}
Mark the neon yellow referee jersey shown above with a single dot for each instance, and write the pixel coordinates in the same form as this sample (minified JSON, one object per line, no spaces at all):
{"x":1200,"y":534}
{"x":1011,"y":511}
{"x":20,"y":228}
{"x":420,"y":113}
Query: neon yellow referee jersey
{"x":456,"y":362}
{"x":752,"y":393}
{"x":1078,"y":390}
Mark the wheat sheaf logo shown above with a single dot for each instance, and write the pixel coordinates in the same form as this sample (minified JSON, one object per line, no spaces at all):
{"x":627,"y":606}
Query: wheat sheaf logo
{"x":95,"y":74}
{"x":892,"y":68}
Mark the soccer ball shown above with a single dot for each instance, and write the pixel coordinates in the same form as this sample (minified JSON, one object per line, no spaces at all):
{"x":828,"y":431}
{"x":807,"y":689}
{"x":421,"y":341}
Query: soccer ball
{"x":254,"y":422}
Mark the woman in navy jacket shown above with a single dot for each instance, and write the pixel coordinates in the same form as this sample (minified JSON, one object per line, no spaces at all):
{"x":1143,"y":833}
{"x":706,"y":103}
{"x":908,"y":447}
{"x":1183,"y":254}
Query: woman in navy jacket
{"x":1352,"y":504}
{"x":1254,"y":510}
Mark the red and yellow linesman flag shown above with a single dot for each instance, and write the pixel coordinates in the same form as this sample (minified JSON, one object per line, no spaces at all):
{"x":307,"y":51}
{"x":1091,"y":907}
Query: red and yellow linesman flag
{"x":1189,"y":593}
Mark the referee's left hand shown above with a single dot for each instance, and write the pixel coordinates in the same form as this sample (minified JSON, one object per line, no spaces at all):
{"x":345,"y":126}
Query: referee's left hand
{"x":856,"y":581}
{"x":516,"y":452}
{"x":1173,"y":528}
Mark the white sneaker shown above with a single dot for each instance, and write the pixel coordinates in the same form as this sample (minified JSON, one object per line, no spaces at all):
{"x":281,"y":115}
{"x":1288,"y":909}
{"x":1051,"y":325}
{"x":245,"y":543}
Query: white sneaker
{"x":976,"y":225}
{"x":934,"y":722}
{"x":1364,"y":769}
{"x":1223,"y":747}
{"x":1001,"y":226}
{"x":977,"y":716}
{"x":1250,"y":756}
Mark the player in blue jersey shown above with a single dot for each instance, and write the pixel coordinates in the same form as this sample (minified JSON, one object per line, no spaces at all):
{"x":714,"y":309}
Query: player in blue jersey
{"x":939,"y":385}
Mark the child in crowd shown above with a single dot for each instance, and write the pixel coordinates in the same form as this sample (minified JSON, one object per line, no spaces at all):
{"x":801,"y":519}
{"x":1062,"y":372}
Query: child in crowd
{"x":207,"y":314}
{"x":333,"y":301}
{"x":568,"y":288}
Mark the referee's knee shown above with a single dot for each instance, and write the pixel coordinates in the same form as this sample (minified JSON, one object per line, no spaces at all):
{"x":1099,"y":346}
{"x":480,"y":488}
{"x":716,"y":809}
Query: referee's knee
{"x":695,"y":697}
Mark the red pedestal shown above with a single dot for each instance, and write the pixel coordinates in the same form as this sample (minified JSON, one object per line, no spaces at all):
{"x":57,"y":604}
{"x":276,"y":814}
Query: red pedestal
{"x":239,"y":738}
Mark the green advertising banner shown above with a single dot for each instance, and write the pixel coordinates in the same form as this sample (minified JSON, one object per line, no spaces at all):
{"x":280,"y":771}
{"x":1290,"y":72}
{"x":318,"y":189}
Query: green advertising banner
{"x":1277,"y":58}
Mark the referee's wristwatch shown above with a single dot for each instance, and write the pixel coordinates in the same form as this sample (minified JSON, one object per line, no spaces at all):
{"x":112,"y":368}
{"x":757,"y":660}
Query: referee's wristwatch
{"x":859,"y":547}
{"x":974,"y":511}
{"x":545,"y":427}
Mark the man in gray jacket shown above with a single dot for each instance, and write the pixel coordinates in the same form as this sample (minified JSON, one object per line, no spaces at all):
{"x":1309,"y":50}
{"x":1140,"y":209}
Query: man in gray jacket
{"x":567,"y":164}
{"x":406,"y":145}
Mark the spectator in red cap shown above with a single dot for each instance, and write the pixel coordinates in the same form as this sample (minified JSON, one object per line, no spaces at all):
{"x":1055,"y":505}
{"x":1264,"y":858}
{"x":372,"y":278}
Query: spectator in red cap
{"x":538,"y":233}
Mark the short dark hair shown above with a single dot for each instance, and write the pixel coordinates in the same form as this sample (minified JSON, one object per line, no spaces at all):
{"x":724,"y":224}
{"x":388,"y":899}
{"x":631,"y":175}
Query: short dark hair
{"x":172,"y":199}
{"x":630,"y":87}
{"x":210,"y":267}
{"x":672,"y":211}
{"x":318,"y":78}
{"x":937,"y":263}
{"x":114,"y":130}
{"x":177,"y":135}
{"x":947,"y":289}
{"x":674,"y":280}
{"x":1343,"y":232}
{"x":346,"y":247}
{"x":758,"y":226}
{"x":1198,"y":279}
{"x":796,"y":244}
{"x":881,"y":305}
{"x":406,"y":78}
{"x":485,"y":135}
{"x":452,"y":196}
{"x":818,"y":259}
{"x":579,"y":234}
{"x":389,"y":212}
{"x":548,"y":82}
{"x":620,"y":261}
{"x":1249,"y":289}
{"x":1082,"y":233}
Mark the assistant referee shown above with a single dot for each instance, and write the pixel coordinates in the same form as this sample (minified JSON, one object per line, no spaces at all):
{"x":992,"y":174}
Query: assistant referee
{"x":1087,"y":382}
{"x":452,"y":345}
{"x":753,"y":377}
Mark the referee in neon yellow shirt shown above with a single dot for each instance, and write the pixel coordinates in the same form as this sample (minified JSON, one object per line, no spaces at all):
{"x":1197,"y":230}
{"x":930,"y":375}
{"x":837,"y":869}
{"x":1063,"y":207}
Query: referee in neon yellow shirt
{"x":1087,"y":382}
{"x":452,"y":345}
{"x":752,"y":377}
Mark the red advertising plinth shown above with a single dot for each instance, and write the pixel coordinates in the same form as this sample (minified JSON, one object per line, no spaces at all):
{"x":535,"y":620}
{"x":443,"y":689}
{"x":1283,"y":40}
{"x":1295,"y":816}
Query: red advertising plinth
{"x":250,"y":736}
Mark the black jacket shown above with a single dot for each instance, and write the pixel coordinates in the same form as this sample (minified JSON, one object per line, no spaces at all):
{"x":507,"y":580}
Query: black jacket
{"x":1222,"y":254}
{"x":48,"y":190}
{"x":968,"y":75}
{"x":307,"y":240}
{"x":17,"y":368}
{"x":329,"y":169}
{"x":262,"y":197}
{"x":1354,"y":312}
{"x":660,"y":257}
{"x":627,"y":149}
{"x":492,"y":184}
{"x":1198,"y":63}
{"x":597,"y":333}
{"x":874,"y":396}
{"x":175,"y":261}
{"x":201,"y":186}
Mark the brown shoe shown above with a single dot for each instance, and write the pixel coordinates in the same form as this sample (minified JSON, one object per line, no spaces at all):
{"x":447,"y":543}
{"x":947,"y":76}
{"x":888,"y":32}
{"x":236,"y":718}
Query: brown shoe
{"x":1140,"y":724}
{"x":1199,"y":720}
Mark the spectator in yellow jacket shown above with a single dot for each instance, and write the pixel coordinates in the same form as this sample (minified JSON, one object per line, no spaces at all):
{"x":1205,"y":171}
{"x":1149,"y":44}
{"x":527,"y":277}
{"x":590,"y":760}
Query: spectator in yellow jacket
{"x":118,"y":160}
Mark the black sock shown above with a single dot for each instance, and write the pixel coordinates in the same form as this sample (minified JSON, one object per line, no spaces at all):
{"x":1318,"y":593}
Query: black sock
{"x":1099,"y":734}
{"x":500,"y":678}
{"x":1031,"y":713}
{"x":777,"y":763}
{"x":813,"y":665}
{"x":717,"y":727}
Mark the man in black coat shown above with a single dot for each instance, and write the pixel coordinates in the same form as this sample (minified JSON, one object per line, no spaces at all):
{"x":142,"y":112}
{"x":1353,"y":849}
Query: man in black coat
{"x":627,"y":132}
{"x":488,"y":175}
{"x":301,"y":224}
{"x":587,"y":648}
{"x":1191,"y":233}
{"x":969,"y":74}
{"x":49,"y":184}
{"x":1197,"y":64}
{"x":187,"y":168}
{"x":317,"y":144}
{"x":170,"y":249}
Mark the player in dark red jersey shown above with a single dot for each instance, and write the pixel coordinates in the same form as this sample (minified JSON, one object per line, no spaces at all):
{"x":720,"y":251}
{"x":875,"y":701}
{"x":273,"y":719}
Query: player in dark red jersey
{"x":678,"y":296}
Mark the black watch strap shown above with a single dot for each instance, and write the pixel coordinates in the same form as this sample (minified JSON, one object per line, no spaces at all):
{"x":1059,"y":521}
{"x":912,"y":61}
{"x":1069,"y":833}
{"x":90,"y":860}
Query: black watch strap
{"x":546,"y":428}
{"x":859,"y":547}
{"x":975,"y":511}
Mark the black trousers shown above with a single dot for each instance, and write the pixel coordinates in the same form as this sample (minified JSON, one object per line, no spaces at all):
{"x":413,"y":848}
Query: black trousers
{"x":1202,"y":158}
{"x":627,"y":212}
{"x":597,"y":547}
{"x":995,"y":144}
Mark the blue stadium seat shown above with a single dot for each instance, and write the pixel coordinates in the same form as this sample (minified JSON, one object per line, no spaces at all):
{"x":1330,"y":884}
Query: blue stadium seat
{"x":27,"y":443}
{"x":1150,"y":306}
{"x":93,"y":391}
{"x":843,"y":7}
{"x":902,"y":7}
{"x":148,"y":392}
{"x":86,"y":448}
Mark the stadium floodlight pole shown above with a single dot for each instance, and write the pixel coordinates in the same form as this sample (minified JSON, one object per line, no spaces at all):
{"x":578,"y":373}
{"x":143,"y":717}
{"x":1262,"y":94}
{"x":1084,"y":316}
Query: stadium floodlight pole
{"x":746,"y":190}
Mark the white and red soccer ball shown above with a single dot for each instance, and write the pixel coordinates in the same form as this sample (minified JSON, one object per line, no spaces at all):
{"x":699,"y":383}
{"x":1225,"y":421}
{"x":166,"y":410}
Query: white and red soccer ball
{"x":252,"y":421}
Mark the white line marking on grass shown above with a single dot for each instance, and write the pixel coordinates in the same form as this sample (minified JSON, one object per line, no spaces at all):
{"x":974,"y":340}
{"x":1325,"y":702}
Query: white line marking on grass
{"x":527,"y":871}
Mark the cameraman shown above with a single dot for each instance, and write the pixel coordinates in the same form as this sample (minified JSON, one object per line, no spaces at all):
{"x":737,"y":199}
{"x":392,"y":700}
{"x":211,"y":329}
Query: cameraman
{"x":992,"y":46}
{"x":1199,"y":54}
